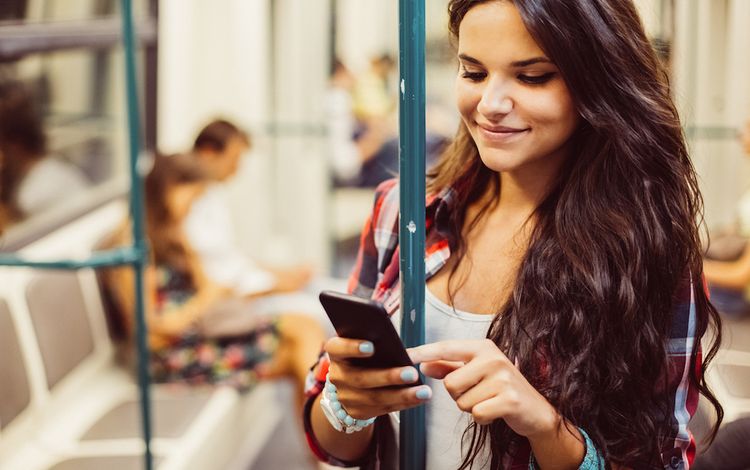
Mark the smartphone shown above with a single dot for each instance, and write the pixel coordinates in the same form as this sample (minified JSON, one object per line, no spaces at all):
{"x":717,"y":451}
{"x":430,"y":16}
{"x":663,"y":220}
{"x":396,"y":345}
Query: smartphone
{"x":357,"y":318}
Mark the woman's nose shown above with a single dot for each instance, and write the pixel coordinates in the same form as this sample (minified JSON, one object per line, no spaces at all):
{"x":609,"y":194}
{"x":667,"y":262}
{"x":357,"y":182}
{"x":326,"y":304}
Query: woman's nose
{"x":496,"y":101}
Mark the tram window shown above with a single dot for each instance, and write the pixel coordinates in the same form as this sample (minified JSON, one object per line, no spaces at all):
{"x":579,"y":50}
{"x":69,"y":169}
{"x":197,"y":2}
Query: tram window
{"x":14,"y":11}
{"x":66,"y":149}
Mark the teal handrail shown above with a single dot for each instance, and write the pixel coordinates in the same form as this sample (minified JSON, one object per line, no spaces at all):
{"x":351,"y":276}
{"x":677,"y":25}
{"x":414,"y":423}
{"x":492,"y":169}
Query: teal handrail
{"x":117,"y":257}
{"x":136,"y":214}
{"x":135,"y":255}
{"x":412,"y":437}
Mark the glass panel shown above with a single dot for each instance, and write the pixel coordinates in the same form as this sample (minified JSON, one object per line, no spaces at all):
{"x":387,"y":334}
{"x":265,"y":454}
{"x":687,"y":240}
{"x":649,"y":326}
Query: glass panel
{"x":22,"y":11}
{"x":714,"y":104}
{"x":63,"y":142}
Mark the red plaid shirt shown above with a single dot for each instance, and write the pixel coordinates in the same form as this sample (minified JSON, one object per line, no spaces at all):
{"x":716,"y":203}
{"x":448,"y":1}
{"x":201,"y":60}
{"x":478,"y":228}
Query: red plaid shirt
{"x":376,"y":276}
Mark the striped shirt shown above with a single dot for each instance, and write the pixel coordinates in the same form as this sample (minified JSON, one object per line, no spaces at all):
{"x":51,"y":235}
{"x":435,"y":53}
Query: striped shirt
{"x":376,"y":276}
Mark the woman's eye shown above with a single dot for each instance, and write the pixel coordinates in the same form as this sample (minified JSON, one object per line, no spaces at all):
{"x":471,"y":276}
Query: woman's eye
{"x":473,"y":76}
{"x":536,"y":79}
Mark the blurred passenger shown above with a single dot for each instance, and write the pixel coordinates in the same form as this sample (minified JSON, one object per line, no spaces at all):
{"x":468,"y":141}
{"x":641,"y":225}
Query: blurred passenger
{"x":363,"y":144}
{"x":384,"y":165}
{"x":31,"y":180}
{"x":209,"y":226}
{"x":373,"y":98}
{"x":351,"y":144}
{"x":729,"y":280}
{"x":198,"y":331}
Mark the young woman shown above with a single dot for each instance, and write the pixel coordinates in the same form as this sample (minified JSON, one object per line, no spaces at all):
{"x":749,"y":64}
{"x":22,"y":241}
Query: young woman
{"x":564,"y":300}
{"x":200,"y":332}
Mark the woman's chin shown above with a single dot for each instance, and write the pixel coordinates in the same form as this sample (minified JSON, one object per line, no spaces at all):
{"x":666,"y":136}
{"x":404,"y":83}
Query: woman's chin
{"x":501,"y":161}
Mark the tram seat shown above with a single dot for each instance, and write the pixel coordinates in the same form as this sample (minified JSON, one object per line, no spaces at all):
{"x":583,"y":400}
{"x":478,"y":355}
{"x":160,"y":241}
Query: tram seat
{"x":730,"y":374}
{"x":66,"y":405}
{"x":729,"y":379}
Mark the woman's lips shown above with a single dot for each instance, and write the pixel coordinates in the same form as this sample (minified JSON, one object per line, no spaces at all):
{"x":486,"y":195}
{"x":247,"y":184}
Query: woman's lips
{"x":501,"y":134}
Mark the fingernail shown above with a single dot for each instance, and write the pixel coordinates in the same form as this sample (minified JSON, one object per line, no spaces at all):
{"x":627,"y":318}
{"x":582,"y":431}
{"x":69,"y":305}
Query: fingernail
{"x":366,"y":347}
{"x":409,"y":374}
{"x":424,"y":393}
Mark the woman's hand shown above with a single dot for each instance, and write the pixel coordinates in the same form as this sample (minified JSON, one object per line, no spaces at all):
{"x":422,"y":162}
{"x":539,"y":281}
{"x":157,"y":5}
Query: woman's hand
{"x":363,"y":392}
{"x":485,"y":383}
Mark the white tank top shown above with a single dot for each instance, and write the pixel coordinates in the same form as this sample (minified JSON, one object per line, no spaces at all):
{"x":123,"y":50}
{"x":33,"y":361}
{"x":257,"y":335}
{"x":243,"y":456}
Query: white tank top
{"x":445,"y":422}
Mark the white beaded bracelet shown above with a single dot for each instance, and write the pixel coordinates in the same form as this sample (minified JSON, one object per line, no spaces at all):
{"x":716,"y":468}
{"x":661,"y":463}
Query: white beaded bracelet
{"x":337,"y":415}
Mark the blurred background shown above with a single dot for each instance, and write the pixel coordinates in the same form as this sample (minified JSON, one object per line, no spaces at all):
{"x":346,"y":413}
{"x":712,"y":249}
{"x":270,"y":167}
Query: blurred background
{"x":266,"y":66}
{"x":303,"y":79}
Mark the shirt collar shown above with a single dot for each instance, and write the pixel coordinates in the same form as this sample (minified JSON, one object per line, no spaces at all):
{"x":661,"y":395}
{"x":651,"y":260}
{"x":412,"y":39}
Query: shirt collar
{"x":439,"y":209}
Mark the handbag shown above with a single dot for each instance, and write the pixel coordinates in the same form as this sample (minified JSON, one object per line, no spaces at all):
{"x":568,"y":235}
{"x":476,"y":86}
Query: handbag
{"x":229,"y":317}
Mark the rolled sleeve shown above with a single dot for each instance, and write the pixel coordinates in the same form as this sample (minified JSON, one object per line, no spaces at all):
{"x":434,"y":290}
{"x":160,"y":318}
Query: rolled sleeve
{"x":685,"y":360}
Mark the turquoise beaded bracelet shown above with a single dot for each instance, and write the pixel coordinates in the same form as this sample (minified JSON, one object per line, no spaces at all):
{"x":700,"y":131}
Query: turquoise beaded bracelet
{"x":336,"y":414}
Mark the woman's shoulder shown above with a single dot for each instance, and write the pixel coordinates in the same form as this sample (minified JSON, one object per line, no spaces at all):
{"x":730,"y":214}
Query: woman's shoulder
{"x":386,"y":207}
{"x":387,"y":188}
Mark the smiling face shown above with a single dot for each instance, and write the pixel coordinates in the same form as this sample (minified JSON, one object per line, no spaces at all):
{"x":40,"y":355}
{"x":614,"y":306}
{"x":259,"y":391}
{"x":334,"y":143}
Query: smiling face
{"x":512,"y":99}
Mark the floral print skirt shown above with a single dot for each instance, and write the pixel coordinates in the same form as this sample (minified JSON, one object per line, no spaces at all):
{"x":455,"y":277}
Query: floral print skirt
{"x":233,"y":361}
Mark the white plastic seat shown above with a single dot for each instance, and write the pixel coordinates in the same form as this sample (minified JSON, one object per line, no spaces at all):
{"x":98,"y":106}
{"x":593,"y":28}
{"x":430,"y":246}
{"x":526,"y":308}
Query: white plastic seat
{"x":70,"y":407}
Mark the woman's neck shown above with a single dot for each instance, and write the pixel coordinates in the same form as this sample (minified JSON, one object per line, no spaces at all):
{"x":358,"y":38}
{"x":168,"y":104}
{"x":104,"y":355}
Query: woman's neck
{"x":524,"y":189}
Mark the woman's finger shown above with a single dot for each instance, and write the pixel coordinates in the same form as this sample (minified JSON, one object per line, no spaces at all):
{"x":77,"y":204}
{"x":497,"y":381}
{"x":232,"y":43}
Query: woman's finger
{"x":479,"y":393}
{"x":489,"y":410}
{"x":364,"y":404}
{"x":343,"y":348}
{"x":450,"y":350}
{"x":358,"y":377}
{"x":439,"y":369}
{"x":464,"y":378}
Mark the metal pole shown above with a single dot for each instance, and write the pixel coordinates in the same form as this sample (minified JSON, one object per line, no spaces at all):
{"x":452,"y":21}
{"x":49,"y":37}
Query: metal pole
{"x":412,"y":199}
{"x":136,"y":212}
{"x":114,"y":257}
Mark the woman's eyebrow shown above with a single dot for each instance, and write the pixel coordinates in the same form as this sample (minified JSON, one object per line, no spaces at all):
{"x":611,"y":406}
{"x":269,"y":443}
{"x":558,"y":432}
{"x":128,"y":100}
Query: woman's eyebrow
{"x":517,"y":64}
{"x":532,"y":61}
{"x":468,"y":58}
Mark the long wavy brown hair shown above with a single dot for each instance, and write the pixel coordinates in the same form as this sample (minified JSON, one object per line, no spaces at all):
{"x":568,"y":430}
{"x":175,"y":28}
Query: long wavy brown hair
{"x":163,"y":229}
{"x":614,"y":242}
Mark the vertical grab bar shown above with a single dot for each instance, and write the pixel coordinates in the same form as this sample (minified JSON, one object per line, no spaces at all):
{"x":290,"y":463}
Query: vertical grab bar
{"x":136,"y":255}
{"x":412,"y":437}
{"x":136,"y":212}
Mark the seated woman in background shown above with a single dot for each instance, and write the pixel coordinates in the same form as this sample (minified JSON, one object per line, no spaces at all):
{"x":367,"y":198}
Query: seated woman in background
{"x":31,"y":180}
{"x":730,"y":280}
{"x":198,"y":331}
